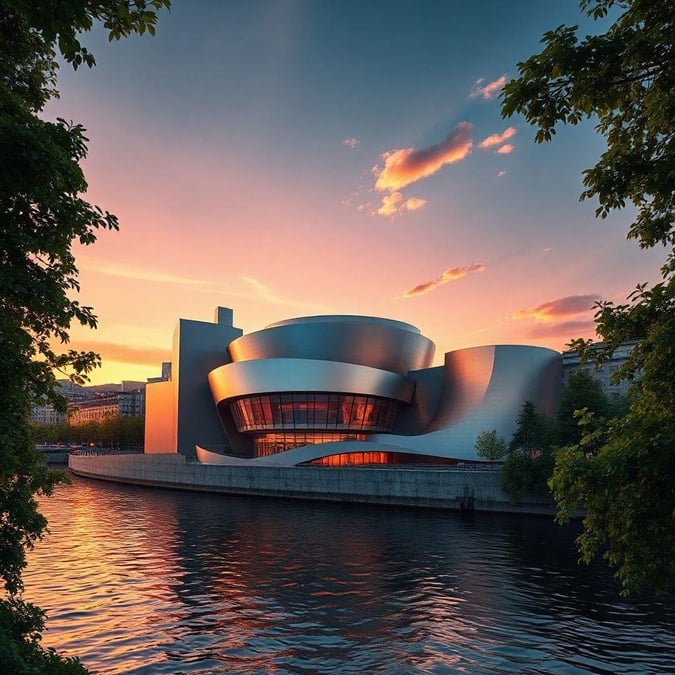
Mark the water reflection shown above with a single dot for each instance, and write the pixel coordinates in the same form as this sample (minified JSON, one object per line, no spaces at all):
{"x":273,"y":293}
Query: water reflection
{"x":150,"y":581}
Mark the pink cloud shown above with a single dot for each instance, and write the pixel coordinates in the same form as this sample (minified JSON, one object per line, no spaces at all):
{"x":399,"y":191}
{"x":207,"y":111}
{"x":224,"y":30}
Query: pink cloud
{"x":501,"y":173}
{"x":487,"y":91}
{"x":505,"y":149}
{"x":497,"y":139}
{"x":406,"y":166}
{"x":551,"y":310}
{"x":451,"y":274}
{"x":566,"y":329}
{"x":350,"y":142}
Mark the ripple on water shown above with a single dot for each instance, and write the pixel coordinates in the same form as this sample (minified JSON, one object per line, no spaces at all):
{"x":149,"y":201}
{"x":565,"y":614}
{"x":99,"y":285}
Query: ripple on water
{"x":137,"y":580}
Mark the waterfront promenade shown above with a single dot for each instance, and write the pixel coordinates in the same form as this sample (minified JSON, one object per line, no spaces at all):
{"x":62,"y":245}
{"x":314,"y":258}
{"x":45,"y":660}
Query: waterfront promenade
{"x":446,"y":488}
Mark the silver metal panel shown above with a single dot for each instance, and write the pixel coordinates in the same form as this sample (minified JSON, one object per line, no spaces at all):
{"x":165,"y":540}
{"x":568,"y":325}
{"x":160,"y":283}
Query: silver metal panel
{"x":483,"y":388}
{"x":246,"y":378}
{"x":377,"y":343}
{"x":346,"y":318}
{"x":296,"y":456}
{"x":485,"y":401}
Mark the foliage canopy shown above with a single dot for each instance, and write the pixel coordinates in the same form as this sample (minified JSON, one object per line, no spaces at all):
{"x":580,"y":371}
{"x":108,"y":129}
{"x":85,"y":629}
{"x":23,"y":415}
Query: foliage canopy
{"x":42,"y":213}
{"x":624,"y":78}
{"x":582,"y":391}
{"x":530,"y":455}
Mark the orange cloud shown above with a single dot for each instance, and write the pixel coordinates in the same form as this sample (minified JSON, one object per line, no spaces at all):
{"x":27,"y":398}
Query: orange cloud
{"x":394,"y":203}
{"x":406,"y":166}
{"x":487,"y":91}
{"x":451,"y":274}
{"x":551,"y":310}
{"x":111,"y":351}
{"x":414,"y":203}
{"x":505,"y":149}
{"x":497,"y":139}
{"x":390,"y":204}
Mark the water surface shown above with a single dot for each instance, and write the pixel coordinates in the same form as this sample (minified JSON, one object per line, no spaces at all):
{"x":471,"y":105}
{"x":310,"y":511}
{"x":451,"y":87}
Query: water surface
{"x":142,"y":580}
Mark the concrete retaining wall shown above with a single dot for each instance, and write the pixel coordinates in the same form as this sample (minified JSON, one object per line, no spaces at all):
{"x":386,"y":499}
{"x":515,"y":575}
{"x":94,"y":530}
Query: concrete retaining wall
{"x":438,"y":488}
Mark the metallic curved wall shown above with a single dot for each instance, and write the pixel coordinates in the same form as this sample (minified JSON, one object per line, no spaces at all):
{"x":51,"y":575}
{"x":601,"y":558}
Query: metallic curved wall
{"x":245,"y":378}
{"x":441,"y":409}
{"x":478,"y":389}
{"x":367,"y":341}
{"x":483,"y":388}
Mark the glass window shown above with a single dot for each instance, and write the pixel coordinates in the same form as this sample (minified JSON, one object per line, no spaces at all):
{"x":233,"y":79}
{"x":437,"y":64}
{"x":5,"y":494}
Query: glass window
{"x":275,"y":402}
{"x":287,"y":411}
{"x":333,"y":409}
{"x":256,"y":412}
{"x":313,"y":412}
{"x":311,"y":408}
{"x":345,"y":412}
{"x":300,"y":415}
{"x":321,"y":411}
{"x":266,"y":408}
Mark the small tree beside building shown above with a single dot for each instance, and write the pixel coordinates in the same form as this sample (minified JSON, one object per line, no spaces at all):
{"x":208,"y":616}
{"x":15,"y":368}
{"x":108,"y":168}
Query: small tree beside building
{"x":530,"y":460}
{"x":490,"y":446}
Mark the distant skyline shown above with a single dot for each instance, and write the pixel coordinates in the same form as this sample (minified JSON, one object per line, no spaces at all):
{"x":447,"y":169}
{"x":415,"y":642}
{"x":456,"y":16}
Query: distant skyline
{"x":295,"y":158}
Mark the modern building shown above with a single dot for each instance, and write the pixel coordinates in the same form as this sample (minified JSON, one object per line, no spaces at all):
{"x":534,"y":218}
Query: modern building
{"x":335,"y":391}
{"x":604,"y":373}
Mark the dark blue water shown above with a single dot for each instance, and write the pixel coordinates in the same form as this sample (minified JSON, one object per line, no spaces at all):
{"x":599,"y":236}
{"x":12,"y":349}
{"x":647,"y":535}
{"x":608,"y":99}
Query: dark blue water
{"x":138,"y":580}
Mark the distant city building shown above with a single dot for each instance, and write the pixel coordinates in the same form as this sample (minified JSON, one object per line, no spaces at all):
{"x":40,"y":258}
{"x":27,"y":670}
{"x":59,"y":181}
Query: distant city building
{"x":123,"y":404}
{"x":604,"y":373}
{"x":72,"y":391}
{"x":338,"y":390}
{"x":46,"y":415}
{"x":93,"y":403}
{"x":166,"y":373}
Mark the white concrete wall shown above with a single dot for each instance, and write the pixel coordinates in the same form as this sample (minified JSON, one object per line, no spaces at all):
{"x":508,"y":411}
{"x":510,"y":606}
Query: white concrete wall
{"x":440,"y":488}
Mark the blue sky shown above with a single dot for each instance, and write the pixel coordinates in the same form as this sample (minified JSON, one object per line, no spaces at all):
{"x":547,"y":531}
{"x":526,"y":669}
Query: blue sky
{"x":305,"y":157}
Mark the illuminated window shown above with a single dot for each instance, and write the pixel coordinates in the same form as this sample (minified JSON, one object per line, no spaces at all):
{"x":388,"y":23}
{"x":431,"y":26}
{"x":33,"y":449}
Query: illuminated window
{"x":271,"y":444}
{"x":346,"y":412}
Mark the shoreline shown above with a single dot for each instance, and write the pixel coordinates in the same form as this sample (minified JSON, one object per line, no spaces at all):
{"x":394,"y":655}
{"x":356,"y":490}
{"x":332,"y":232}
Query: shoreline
{"x":441,"y":488}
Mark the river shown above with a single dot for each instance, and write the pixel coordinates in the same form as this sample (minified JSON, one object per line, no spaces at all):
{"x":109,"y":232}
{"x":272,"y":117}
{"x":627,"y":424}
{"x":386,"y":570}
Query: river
{"x":142,"y":580}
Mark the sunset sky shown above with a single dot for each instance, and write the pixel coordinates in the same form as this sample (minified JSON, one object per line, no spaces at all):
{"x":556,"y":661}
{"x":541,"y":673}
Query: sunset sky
{"x":304,"y":157}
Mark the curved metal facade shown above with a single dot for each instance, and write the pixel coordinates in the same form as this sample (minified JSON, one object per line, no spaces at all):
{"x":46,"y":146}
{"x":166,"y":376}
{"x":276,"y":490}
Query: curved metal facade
{"x":314,"y":387}
{"x":377,"y":343}
{"x":352,"y":389}
{"x":274,"y":375}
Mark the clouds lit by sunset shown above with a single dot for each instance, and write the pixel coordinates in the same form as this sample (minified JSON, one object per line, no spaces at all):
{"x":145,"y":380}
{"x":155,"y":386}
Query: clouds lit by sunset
{"x":403,"y":167}
{"x":237,"y":149}
{"x":489,"y":90}
{"x":451,"y":274}
{"x":395,"y":204}
{"x":560,"y":307}
{"x":497,"y":139}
